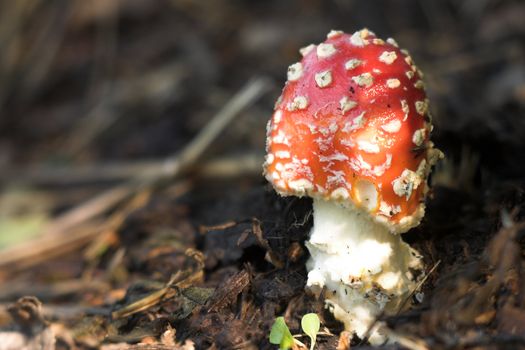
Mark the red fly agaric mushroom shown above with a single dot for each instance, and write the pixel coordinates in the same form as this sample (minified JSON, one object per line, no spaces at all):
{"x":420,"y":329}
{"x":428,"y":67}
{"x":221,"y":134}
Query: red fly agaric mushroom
{"x":351,"y":130}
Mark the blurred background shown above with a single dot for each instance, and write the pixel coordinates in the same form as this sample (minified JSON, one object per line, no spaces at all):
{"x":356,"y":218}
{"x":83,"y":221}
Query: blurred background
{"x":103,"y":183}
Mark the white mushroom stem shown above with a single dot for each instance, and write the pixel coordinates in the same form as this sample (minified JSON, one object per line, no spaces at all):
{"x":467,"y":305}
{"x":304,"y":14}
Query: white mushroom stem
{"x":364,"y":268}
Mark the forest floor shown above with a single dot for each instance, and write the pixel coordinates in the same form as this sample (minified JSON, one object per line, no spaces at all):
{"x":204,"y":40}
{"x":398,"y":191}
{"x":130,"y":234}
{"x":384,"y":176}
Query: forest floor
{"x":132,"y":205}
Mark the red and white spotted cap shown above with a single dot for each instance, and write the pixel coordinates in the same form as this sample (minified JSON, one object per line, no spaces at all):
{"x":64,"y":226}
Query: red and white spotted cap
{"x":352,"y":125}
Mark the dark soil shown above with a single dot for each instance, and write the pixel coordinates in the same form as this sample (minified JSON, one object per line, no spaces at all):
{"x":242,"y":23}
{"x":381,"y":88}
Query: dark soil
{"x":213,"y":258}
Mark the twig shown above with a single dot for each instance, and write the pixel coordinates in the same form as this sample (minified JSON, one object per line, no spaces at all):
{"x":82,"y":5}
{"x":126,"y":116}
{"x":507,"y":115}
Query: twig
{"x":52,"y":291}
{"x":485,"y":340}
{"x":181,"y":279}
{"x":224,"y":167}
{"x":254,"y":89}
{"x":57,"y":235}
{"x":48,"y":246}
{"x":402,"y":306}
{"x":408,"y":342}
{"x":63,"y":312}
{"x":205,"y":229}
{"x":431,"y":271}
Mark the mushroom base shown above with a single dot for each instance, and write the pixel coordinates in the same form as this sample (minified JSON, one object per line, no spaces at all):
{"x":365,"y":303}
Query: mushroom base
{"x":365,"y":269}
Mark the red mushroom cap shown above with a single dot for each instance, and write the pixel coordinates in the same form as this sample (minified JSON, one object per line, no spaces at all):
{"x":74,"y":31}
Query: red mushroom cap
{"x":352,"y":125}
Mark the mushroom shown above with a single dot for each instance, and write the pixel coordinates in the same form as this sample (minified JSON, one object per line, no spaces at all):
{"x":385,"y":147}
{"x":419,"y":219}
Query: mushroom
{"x":351,"y":130}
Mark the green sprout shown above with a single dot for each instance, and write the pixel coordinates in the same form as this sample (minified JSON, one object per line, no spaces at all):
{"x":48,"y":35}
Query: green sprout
{"x":280,"y":334}
{"x":310,"y":324}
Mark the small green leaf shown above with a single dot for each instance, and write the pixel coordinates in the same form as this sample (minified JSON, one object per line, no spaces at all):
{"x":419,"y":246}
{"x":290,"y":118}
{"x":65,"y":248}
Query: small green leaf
{"x":280,"y":334}
{"x":310,"y":324}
